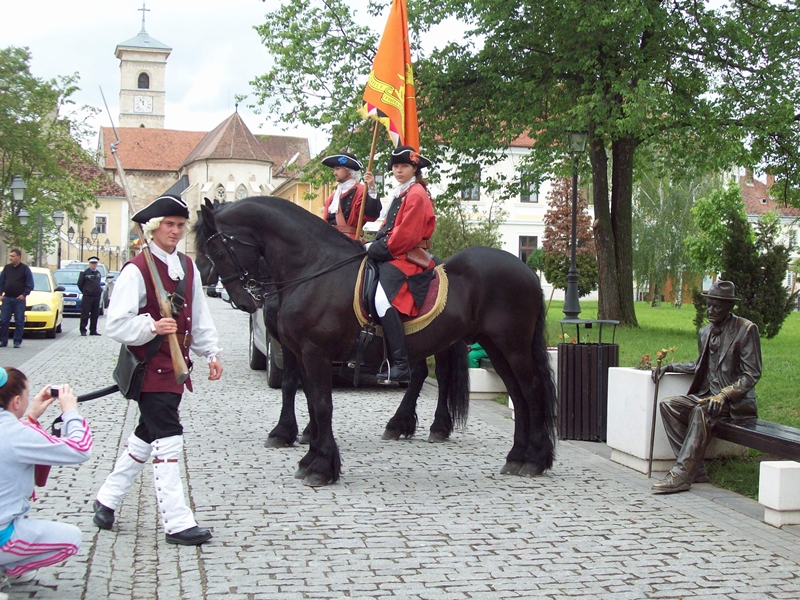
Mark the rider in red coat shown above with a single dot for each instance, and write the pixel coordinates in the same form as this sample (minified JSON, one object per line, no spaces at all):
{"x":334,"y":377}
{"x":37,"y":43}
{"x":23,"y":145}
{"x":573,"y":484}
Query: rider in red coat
{"x":343,"y":206}
{"x":400,"y":248}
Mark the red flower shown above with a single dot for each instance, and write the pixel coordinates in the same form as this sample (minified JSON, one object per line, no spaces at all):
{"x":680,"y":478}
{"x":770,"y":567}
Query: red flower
{"x":413,"y":157}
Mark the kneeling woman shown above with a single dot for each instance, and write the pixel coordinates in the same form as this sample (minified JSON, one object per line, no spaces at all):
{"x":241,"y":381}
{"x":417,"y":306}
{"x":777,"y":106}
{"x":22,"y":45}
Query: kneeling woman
{"x":400,"y":247}
{"x":27,"y":544}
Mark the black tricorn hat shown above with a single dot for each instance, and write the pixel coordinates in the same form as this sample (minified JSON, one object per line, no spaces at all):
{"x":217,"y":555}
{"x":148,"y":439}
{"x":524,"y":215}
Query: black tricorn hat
{"x":406,"y":155}
{"x":722,"y":290}
{"x":163,"y":206}
{"x":94,"y":259}
{"x":345,"y":159}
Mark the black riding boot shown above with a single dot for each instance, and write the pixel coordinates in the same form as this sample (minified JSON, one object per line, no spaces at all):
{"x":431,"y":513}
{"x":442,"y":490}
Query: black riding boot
{"x":396,"y":338}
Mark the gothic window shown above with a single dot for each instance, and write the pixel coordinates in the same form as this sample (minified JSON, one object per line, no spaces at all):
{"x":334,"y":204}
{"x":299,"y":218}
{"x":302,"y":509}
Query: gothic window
{"x":241,"y":192}
{"x":220,"y":193}
{"x":527,"y":244}
{"x":144,"y":81}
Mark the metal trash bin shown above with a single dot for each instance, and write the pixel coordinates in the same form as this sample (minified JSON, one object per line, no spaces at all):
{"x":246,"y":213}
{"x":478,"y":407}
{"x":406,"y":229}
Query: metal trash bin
{"x":583,"y":381}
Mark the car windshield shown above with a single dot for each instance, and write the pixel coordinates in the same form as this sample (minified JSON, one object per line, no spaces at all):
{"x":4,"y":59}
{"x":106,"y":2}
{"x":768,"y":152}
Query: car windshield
{"x":41,"y":283}
{"x":67,"y":277}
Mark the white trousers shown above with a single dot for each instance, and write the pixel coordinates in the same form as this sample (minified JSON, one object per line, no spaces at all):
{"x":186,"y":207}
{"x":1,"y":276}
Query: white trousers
{"x":176,"y":516}
{"x":36,"y":543}
{"x":382,"y":303}
{"x":128,"y":466}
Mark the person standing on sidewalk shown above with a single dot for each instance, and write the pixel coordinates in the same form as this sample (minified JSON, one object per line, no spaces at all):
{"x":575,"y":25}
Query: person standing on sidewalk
{"x":134,"y":319}
{"x":89,"y":283}
{"x":16,"y":282}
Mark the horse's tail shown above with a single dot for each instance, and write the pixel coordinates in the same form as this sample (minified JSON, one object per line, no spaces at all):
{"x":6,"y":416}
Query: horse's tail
{"x":457,"y":383}
{"x":543,"y":383}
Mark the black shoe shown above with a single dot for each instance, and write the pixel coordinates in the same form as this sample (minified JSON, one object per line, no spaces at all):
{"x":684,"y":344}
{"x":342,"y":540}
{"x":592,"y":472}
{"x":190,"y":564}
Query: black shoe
{"x":83,"y":333}
{"x":194,"y":536}
{"x":4,"y":345}
{"x":94,"y":333}
{"x":103,"y":516}
{"x":17,"y":345}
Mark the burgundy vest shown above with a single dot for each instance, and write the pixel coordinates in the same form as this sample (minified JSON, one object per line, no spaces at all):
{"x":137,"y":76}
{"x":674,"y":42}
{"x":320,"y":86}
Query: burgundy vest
{"x":160,"y":376}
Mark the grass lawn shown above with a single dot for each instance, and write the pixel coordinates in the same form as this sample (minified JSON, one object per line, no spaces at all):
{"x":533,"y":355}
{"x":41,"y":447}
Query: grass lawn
{"x":666,"y":327}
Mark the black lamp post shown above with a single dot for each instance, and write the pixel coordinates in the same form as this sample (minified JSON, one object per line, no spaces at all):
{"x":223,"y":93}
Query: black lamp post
{"x":58,"y":220}
{"x":572,"y":305}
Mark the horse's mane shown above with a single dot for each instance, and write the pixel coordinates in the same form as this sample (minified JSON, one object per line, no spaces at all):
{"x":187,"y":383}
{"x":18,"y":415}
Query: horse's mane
{"x":308,"y":223}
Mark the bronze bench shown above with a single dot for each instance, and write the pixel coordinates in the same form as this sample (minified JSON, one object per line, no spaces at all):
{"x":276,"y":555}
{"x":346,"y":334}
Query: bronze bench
{"x":772,"y":438}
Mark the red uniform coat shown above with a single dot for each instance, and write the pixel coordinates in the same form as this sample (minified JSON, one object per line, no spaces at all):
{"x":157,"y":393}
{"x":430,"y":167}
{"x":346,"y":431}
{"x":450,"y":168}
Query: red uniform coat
{"x":410,"y":221}
{"x":160,"y":376}
{"x":350,"y":206}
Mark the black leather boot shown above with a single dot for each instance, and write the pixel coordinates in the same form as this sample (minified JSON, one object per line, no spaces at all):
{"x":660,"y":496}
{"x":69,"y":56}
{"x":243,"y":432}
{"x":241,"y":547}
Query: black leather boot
{"x":103,"y":516}
{"x":396,"y":338}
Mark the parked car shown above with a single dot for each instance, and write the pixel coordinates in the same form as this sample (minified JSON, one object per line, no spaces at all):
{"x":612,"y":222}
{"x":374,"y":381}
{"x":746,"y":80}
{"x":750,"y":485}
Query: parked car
{"x":44,"y":308}
{"x":109,"y":288}
{"x":77,"y":267}
{"x":73,"y":299}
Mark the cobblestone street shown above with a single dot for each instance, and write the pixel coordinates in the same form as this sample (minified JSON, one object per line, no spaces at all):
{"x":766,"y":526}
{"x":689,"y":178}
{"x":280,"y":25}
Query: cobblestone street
{"x":408,"y":519}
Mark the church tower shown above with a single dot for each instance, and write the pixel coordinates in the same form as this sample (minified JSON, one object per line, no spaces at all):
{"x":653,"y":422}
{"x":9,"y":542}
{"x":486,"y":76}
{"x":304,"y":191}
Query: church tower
{"x":142,"y":91}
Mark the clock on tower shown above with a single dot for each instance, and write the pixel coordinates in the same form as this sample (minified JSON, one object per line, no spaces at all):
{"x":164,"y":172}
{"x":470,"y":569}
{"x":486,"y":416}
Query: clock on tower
{"x":142,"y":104}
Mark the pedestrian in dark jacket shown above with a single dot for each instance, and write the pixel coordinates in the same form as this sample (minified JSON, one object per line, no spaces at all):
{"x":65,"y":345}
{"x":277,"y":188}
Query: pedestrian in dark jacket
{"x":89,"y":285}
{"x":16,"y":282}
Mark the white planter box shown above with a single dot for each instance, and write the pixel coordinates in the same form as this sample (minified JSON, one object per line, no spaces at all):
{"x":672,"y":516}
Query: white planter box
{"x":630,"y":414}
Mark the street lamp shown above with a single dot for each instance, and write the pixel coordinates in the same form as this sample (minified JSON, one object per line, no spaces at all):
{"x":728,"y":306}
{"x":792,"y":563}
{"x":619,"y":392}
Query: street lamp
{"x":572,"y":305}
{"x":58,"y":220}
{"x":107,"y":248}
{"x":70,"y":236}
{"x":18,"y":188}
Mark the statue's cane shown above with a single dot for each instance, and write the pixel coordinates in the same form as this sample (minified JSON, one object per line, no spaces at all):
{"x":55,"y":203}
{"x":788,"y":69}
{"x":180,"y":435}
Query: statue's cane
{"x":653,"y":424}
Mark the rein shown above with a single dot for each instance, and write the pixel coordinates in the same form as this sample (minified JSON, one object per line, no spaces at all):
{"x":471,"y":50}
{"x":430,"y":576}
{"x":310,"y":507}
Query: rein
{"x":255,"y":287}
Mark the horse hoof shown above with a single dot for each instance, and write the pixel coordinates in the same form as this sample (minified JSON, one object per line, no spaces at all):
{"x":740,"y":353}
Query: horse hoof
{"x":437,"y":437}
{"x":390,"y":435}
{"x":530,"y":470}
{"x":304,"y":439}
{"x":301,"y":473}
{"x":511,"y":468}
{"x":315,"y":480}
{"x":276,"y":442}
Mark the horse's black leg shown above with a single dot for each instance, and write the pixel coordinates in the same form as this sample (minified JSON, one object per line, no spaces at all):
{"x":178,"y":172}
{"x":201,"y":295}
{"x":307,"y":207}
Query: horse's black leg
{"x":452,"y":374}
{"x":321,"y":464}
{"x":285,"y":432}
{"x":404,"y":421}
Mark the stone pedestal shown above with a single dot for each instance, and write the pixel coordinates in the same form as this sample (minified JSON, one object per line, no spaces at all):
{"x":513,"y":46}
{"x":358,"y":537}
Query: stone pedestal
{"x":630,"y":414}
{"x":779,"y":492}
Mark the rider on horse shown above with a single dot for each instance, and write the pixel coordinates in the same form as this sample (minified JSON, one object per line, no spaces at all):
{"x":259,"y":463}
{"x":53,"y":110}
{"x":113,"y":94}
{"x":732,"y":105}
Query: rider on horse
{"x":400,"y":248}
{"x":344,"y":205}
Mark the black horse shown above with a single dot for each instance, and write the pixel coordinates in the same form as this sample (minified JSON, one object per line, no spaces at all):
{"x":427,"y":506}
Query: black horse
{"x":451,"y":371}
{"x":493,"y":299}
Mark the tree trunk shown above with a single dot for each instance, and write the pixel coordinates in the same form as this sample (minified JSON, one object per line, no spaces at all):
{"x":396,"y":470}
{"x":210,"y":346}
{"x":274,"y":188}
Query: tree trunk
{"x":622,"y":151}
{"x":608,"y":286}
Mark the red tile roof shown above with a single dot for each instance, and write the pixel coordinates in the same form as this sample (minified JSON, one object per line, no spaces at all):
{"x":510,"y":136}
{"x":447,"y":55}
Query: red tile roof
{"x":146,"y":149}
{"x":282,"y":148}
{"x":86,"y":171}
{"x":230,"y":139}
{"x":757,"y":200}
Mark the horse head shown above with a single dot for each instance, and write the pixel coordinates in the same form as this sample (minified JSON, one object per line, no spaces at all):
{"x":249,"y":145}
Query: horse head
{"x":235,"y":260}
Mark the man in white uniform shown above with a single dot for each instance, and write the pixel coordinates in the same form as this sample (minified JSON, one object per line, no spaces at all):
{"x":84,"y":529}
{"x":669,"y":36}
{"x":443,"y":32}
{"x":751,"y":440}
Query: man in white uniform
{"x":134,"y":319}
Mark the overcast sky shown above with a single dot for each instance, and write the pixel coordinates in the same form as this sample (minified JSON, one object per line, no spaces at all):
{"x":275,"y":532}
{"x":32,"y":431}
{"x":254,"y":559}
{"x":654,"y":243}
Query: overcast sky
{"x":215,"y":53}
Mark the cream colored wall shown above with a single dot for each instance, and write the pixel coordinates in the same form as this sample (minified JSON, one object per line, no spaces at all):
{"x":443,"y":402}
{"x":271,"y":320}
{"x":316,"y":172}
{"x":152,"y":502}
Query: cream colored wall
{"x":132,"y":63}
{"x":117,"y":227}
{"x":295,"y":192}
{"x":206,"y":176}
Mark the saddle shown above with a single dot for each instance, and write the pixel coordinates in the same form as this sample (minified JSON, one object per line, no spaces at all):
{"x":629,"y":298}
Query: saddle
{"x":364,"y":299}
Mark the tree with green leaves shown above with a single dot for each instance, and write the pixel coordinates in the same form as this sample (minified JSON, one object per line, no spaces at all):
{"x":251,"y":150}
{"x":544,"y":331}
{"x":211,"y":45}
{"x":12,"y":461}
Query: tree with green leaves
{"x":691,"y":78}
{"x":557,"y":241}
{"x":662,"y":221}
{"x":754,"y":260}
{"x":40,"y":135}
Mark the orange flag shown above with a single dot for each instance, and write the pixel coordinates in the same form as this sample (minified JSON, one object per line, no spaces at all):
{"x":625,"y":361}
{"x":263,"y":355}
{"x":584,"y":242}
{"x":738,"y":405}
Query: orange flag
{"x":390,"y":97}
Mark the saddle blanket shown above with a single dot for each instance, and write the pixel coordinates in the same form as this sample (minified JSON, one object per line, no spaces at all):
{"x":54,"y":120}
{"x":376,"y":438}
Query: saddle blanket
{"x":432,"y":307}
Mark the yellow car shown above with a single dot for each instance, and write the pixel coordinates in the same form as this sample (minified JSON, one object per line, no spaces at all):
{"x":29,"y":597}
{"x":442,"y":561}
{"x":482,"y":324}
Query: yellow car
{"x":44,"y":305}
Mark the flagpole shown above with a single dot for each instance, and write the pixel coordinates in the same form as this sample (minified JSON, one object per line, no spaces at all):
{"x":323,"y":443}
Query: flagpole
{"x":366,"y":191}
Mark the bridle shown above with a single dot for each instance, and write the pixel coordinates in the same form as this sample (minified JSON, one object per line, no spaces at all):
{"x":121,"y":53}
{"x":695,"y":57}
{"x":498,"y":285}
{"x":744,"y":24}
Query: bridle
{"x":255,"y":286}
{"x":252,"y":285}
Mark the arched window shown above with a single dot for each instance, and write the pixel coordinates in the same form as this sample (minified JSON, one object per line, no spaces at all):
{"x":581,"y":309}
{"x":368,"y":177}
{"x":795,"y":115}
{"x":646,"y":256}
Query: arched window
{"x":144,"y":81}
{"x":220,"y":195}
{"x":241,"y":192}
